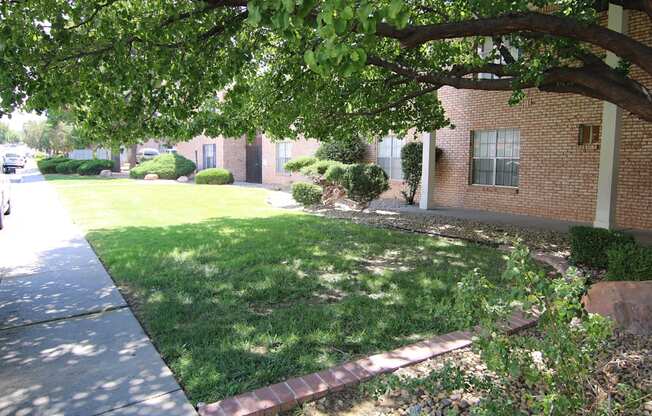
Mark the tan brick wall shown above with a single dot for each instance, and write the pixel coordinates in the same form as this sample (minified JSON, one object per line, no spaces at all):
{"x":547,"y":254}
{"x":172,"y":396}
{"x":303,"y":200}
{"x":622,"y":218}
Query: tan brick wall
{"x":303,"y":147}
{"x":231,"y":153}
{"x":558,"y":178}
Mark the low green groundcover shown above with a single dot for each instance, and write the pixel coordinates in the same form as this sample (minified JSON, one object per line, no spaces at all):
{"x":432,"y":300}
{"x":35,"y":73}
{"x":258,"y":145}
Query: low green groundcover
{"x":237,"y":295}
{"x":167,"y":166}
{"x":214,"y":176}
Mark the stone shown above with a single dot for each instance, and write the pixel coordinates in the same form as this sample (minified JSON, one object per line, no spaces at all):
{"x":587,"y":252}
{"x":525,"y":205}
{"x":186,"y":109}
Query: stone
{"x":105,"y":173}
{"x":629,"y":304}
{"x":648,"y":406}
{"x":151,"y":177}
{"x":182,"y":179}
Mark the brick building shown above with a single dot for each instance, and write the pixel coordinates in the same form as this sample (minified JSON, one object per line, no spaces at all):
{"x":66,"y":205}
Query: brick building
{"x":557,"y":156}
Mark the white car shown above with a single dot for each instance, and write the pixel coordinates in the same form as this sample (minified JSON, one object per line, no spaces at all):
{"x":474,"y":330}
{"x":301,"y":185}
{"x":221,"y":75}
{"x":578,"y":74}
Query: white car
{"x":146,"y":153}
{"x":5,"y":201}
{"x":12,"y":161}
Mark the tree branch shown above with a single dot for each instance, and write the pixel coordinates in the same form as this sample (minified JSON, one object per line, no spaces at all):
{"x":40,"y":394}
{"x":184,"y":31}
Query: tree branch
{"x":618,"y":43}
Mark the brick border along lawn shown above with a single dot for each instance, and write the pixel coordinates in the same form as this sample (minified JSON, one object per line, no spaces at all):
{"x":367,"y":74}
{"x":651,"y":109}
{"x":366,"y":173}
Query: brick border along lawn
{"x":237,"y":295}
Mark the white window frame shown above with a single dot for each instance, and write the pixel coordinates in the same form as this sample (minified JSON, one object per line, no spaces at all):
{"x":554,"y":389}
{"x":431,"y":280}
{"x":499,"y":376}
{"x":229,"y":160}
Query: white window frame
{"x":286,"y":148}
{"x":487,"y":47}
{"x":395,"y":154}
{"x":212,"y":146}
{"x":495,"y":157}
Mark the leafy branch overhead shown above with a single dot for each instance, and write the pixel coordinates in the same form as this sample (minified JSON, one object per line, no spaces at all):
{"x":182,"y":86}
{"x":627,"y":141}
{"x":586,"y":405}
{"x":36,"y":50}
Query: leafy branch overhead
{"x":329,"y":69}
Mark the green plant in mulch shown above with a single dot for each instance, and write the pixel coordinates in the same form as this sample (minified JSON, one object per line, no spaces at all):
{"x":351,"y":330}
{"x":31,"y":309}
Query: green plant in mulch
{"x":306,"y":193}
{"x":411,"y":163}
{"x":589,"y":246}
{"x":364,"y":182}
{"x":550,"y":368}
{"x":629,"y":262}
{"x":214,"y":176}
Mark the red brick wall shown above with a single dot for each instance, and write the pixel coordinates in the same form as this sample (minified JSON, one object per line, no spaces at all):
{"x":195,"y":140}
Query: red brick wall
{"x":558,"y":178}
{"x":303,"y":147}
{"x":230,"y":155}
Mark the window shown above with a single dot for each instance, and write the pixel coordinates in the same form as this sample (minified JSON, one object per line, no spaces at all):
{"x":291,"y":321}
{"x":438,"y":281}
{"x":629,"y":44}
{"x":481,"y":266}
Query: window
{"x":588,"y":134}
{"x":488,"y":47}
{"x":496,"y":157}
{"x":283,"y":156}
{"x":389,"y":156}
{"x":209,"y":156}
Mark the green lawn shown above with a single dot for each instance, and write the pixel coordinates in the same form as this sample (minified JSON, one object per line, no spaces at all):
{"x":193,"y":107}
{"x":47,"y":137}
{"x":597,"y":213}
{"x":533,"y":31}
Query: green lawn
{"x":237,"y":295}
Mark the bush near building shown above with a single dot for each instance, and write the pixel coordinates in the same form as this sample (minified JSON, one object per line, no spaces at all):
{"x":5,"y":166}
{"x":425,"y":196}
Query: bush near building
{"x":167,"y":166}
{"x":364,"y":182}
{"x":49,"y":165}
{"x":69,"y":167}
{"x":589,"y":245}
{"x":345,"y":151}
{"x":306,"y":193}
{"x":214,"y":176}
{"x":94,"y":166}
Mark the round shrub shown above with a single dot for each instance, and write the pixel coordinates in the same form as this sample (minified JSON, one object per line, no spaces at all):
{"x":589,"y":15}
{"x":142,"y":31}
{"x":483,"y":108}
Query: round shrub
{"x":49,"y":165}
{"x":295,"y":165}
{"x":589,"y":246}
{"x":365,"y":182}
{"x":306,"y":193}
{"x":346,"y":151}
{"x":335,"y":173}
{"x":167,"y":166}
{"x":69,"y":167}
{"x":629,"y":262}
{"x":214,"y":176}
{"x":319,"y":168}
{"x":94,"y":166}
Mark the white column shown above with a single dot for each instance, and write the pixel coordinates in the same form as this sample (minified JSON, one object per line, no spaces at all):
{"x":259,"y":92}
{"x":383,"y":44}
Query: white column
{"x":605,"y":210}
{"x":428,"y":171}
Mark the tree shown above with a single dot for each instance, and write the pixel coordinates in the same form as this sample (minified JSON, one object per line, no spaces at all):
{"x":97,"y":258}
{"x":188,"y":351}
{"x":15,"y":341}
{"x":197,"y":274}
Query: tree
{"x":329,"y":69}
{"x":7,"y":135}
{"x":34,"y":135}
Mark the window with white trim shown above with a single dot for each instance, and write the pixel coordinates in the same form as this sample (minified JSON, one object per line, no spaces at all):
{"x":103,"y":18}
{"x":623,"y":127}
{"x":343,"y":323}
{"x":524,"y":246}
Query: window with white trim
{"x":210,"y":152}
{"x":389,"y":156}
{"x":496,"y":157}
{"x":283,"y":156}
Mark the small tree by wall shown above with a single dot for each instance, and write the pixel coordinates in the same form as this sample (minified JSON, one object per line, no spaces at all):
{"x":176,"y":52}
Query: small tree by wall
{"x":411,"y":160}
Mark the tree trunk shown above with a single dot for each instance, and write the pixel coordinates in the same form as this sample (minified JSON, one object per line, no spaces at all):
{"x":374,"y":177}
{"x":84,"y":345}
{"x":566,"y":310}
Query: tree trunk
{"x":115,"y":156}
{"x":132,"y":155}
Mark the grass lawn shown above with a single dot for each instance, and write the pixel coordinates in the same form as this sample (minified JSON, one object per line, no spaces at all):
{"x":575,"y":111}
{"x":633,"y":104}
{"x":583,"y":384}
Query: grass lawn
{"x":237,"y":295}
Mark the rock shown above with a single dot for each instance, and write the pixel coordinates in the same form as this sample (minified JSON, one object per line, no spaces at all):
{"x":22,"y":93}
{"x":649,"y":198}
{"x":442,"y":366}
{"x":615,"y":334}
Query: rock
{"x":105,"y":173}
{"x":455,"y":397}
{"x":648,"y":406}
{"x":182,"y":179}
{"x":627,"y":303}
{"x":464,"y":404}
{"x":151,"y":177}
{"x":445,"y":402}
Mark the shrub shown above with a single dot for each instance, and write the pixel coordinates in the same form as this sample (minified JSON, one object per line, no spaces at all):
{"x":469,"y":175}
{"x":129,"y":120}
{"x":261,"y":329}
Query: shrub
{"x":69,"y":167}
{"x":167,"y":166}
{"x":555,"y":360}
{"x":49,"y":165}
{"x":319,"y":168}
{"x":411,"y":161}
{"x":295,"y":165}
{"x":306,"y":193}
{"x":346,"y":151}
{"x":335,"y":173}
{"x":629,"y":262}
{"x":94,"y":166}
{"x":214,"y":176}
{"x":589,"y":245}
{"x":364,"y":182}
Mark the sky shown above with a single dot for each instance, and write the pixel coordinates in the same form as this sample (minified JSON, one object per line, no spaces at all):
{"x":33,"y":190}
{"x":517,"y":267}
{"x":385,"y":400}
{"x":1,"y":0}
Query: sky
{"x":18,"y":118}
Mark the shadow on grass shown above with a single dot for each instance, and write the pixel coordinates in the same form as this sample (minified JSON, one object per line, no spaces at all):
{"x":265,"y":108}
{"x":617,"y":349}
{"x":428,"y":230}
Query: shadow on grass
{"x":235,"y":304}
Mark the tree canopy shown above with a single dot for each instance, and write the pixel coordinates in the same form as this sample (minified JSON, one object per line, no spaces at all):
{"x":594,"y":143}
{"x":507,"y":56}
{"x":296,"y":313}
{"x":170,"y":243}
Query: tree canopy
{"x":328,"y":69}
{"x":7,"y":135}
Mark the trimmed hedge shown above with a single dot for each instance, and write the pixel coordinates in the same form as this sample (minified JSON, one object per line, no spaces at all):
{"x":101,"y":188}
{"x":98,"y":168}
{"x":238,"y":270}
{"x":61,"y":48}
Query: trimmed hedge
{"x":167,"y":166}
{"x":629,"y":262}
{"x":49,"y":165}
{"x":94,"y":166}
{"x":306,"y":193}
{"x":345,"y":151}
{"x":214,"y":176}
{"x":590,"y":245}
{"x":411,"y":162}
{"x":364,"y":182}
{"x":319,"y":168}
{"x":69,"y":167}
{"x":295,"y":165}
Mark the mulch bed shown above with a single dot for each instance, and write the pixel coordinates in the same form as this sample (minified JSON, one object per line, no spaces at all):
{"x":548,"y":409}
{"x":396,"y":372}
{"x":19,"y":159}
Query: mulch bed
{"x":625,"y":365}
{"x":484,"y":233}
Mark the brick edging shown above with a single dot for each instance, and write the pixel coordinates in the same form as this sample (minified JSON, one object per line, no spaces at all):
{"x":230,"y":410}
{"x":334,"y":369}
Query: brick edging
{"x":290,"y":393}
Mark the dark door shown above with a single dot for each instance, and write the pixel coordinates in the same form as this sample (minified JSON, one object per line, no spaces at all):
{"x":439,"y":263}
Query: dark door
{"x":255,"y":160}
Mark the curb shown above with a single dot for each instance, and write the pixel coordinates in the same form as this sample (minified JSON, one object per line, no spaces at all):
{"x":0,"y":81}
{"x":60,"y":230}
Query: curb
{"x":283,"y":396}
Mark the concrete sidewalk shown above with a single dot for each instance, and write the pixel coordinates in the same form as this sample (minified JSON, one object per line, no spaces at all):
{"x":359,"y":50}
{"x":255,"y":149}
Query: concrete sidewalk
{"x":69,"y":345}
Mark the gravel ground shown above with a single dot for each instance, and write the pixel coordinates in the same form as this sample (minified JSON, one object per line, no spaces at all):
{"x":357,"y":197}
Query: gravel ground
{"x":625,"y":365}
{"x":486,"y":233}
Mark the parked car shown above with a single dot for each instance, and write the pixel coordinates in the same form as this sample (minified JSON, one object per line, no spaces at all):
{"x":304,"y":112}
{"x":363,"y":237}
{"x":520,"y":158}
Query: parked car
{"x":146,"y":153}
{"x":12,"y":161}
{"x":171,"y":151}
{"x":5,"y":201}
